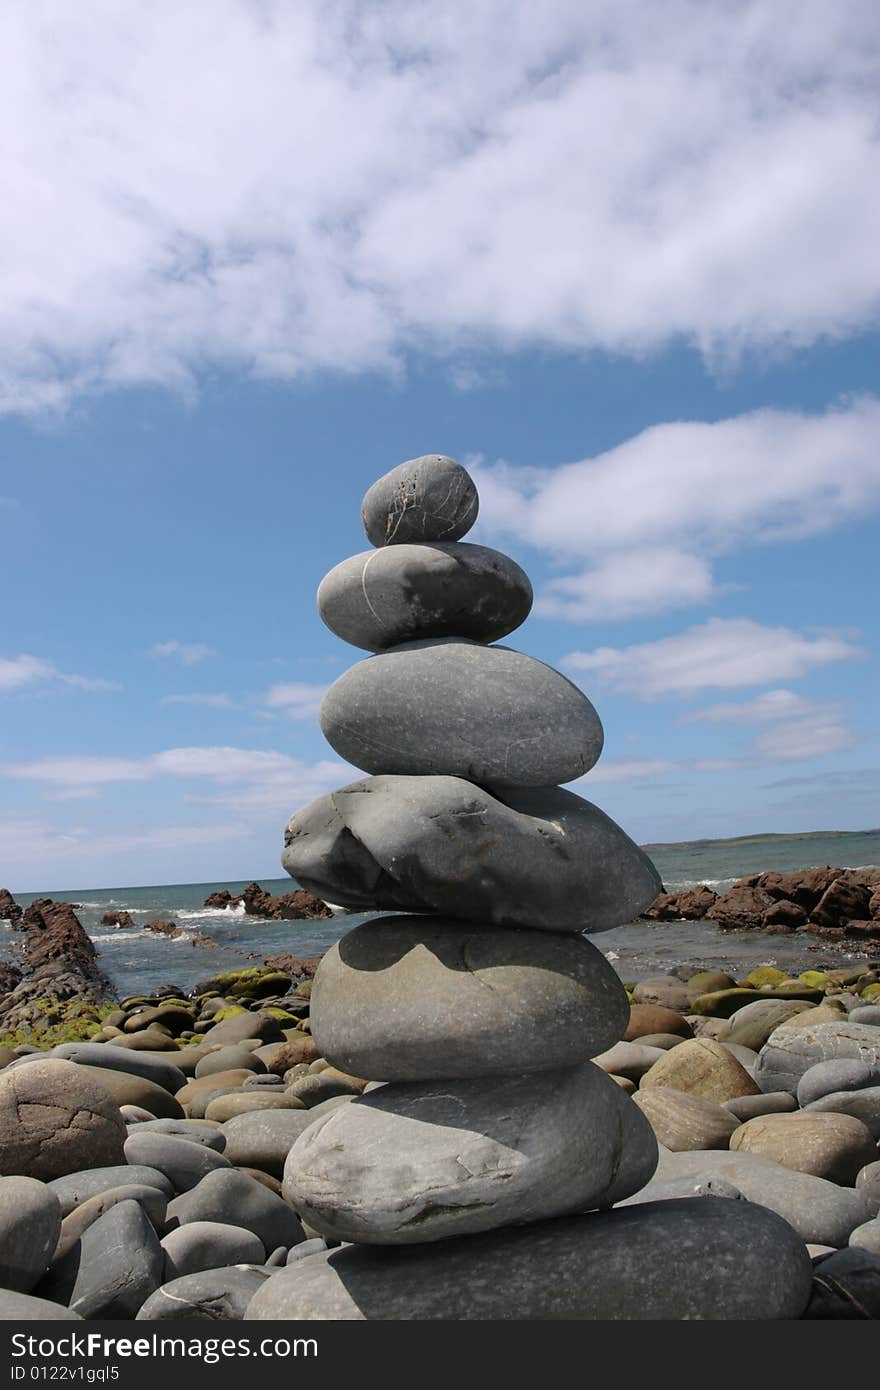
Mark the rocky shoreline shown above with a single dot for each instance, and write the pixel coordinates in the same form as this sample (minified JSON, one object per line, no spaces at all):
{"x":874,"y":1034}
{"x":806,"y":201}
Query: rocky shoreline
{"x":831,"y":903}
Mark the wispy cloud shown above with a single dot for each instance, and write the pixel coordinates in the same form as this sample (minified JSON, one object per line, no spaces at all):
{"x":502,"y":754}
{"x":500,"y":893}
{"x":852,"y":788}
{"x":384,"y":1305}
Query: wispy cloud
{"x":794,"y":728}
{"x":238,"y":777}
{"x":613,"y":175}
{"x":647,"y":520}
{"x":723,"y":652}
{"x":297,"y":699}
{"x":209,"y":701}
{"x":20,"y":671}
{"x":187,"y":653}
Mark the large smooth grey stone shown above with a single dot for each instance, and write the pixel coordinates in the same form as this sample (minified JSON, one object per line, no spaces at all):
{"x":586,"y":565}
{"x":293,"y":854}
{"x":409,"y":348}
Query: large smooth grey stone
{"x":113,"y":1269}
{"x":544,"y":859}
{"x":23,"y":1307}
{"x":76,"y":1188}
{"x":56,"y":1118}
{"x":789,"y":1052}
{"x":216,"y":1295}
{"x":201,"y":1245}
{"x":629,"y":1059}
{"x":157,"y":1069}
{"x":862,"y":1104}
{"x":429,"y":498}
{"x":842,"y":1074}
{"x":238,"y":1200}
{"x":466,"y":1001}
{"x":263,"y":1138}
{"x":227,"y":1059}
{"x":704,"y":1258}
{"x":183,"y":1162}
{"x":821,"y":1212}
{"x":408,"y":593}
{"x":420,"y":1161}
{"x":456,"y":708}
{"x":30,"y":1223}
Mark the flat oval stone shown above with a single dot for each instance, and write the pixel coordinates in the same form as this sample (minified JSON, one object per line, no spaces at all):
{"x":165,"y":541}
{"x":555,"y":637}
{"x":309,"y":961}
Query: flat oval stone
{"x":790,"y":1051}
{"x":183,"y":1162}
{"x":201,"y":1245}
{"x":235,"y":1199}
{"x":682,"y":1122}
{"x":23,"y":1307}
{"x":466,"y":1001}
{"x":698,"y":1258}
{"x":828,"y":1145}
{"x":544,"y":859}
{"x":112,"y":1269}
{"x":430,"y":498}
{"x":420,"y":1161}
{"x":76,"y":1188}
{"x":407,"y":593}
{"x":453,"y":707}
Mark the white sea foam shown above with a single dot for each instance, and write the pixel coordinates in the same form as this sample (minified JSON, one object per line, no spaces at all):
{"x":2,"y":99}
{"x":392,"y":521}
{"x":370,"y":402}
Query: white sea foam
{"x":236,"y":911}
{"x":612,"y":955}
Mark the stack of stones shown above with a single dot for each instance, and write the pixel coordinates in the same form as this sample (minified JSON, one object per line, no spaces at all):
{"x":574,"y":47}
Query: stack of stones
{"x":456,"y":1182}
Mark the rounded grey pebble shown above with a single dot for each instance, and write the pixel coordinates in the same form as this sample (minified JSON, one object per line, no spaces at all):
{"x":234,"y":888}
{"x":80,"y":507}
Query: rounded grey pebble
{"x":238,"y":1200}
{"x":183,"y":1162}
{"x":313,"y":1246}
{"x":22,"y":1307}
{"x":197,"y":1132}
{"x":135,"y":1114}
{"x":669,"y":1189}
{"x":201,"y":1245}
{"x":867,"y":1237}
{"x":277,"y":1259}
{"x":407,"y":593}
{"x":160,"y":1070}
{"x":216,"y":1295}
{"x":840,"y":1074}
{"x":228,"y":1059}
{"x":521,"y":1001}
{"x":429,"y":498}
{"x":455,"y":708}
{"x":263,"y":1138}
{"x":543,"y":858}
{"x":862,"y":1104}
{"x":263,"y":1082}
{"x":76,"y":1188}
{"x":866,"y":1013}
{"x":639,"y":1263}
{"x":771,"y":1103}
{"x":30,"y":1223}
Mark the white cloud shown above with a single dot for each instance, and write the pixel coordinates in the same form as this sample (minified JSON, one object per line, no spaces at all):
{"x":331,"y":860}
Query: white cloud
{"x":25,"y":670}
{"x":297,"y":699}
{"x":652,"y":514}
{"x":626,"y":584}
{"x":187,"y":653}
{"x":723,"y":652}
{"x":243,"y":777}
{"x":610,"y":175}
{"x":209,"y":701}
{"x":764,"y":709}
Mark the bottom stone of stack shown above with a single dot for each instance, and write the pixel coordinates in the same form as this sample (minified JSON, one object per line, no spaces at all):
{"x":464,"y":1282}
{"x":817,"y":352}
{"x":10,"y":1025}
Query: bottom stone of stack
{"x":421,"y":1161}
{"x":696,"y":1258}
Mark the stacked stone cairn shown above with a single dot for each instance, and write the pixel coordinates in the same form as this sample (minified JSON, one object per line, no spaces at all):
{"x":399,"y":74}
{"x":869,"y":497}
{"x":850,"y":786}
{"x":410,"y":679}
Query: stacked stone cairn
{"x":457,"y":1183}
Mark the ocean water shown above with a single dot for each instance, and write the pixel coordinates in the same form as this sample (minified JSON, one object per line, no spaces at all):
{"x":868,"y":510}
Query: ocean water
{"x":137,"y":960}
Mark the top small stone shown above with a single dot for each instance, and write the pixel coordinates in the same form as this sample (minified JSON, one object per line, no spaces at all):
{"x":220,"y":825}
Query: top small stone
{"x":431,"y":498}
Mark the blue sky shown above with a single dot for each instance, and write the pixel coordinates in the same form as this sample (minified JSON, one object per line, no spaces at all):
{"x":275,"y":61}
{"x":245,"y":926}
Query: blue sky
{"x":620,"y":263}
